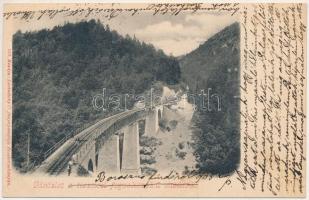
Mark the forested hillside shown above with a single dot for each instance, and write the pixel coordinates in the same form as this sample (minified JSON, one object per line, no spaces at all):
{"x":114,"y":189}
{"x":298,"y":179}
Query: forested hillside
{"x":215,"y":65}
{"x":57,"y":72}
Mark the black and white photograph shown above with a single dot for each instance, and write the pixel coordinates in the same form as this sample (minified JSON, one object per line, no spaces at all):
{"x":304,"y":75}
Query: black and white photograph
{"x":133,"y":95}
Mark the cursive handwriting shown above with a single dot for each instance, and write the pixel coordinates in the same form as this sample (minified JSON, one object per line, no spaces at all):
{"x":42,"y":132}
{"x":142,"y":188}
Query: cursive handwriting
{"x":272,"y":85}
{"x":193,"y":176}
{"x":114,"y":10}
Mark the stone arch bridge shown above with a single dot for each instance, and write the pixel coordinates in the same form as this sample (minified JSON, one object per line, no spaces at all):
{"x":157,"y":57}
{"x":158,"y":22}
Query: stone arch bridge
{"x":110,"y":145}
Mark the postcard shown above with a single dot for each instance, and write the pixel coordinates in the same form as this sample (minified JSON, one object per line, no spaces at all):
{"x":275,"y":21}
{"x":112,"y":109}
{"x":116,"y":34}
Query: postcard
{"x":154,"y":100}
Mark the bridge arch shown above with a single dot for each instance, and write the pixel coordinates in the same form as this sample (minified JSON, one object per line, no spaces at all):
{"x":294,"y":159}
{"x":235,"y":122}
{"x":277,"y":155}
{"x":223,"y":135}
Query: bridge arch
{"x":141,"y":127}
{"x":90,"y":165}
{"x":96,"y":160}
{"x":159,"y":115}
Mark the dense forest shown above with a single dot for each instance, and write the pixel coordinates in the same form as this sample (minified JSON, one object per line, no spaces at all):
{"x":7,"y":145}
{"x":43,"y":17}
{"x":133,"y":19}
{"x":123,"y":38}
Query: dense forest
{"x":57,"y":72}
{"x":215,"y":65}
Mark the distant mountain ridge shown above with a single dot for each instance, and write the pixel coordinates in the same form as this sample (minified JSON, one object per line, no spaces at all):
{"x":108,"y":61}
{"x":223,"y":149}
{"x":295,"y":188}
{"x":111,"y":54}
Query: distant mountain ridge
{"x":222,"y":49}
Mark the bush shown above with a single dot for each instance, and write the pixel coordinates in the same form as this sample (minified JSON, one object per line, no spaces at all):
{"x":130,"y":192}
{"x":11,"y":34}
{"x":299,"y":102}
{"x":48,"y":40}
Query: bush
{"x":163,"y":124}
{"x":181,"y":154}
{"x":181,"y":145}
{"x":82,"y":171}
{"x":146,"y":159}
{"x":146,"y":141}
{"x":146,"y":151}
{"x":173,"y":124}
{"x":148,"y":170}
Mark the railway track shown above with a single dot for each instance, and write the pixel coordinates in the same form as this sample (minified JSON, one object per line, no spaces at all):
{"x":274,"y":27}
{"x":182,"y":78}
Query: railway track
{"x":59,"y":165}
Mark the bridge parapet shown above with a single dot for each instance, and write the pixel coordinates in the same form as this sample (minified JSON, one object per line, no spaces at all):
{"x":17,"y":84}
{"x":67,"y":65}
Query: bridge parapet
{"x":115,"y":137}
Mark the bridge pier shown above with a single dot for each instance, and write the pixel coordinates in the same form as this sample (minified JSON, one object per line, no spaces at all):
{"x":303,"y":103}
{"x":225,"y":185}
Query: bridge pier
{"x":152,"y":121}
{"x":131,"y":155}
{"x":108,"y":156}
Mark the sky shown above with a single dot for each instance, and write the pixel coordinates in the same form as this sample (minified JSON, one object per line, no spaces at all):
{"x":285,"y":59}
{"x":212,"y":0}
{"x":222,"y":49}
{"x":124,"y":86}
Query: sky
{"x":175,"y":35}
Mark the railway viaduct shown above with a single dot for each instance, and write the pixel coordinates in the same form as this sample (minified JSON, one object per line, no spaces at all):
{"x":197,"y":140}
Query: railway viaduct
{"x":110,"y":145}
